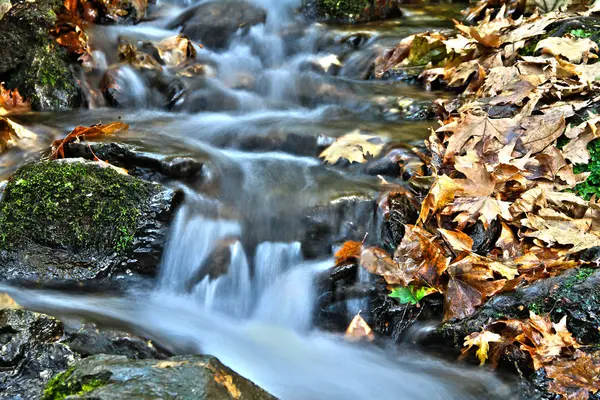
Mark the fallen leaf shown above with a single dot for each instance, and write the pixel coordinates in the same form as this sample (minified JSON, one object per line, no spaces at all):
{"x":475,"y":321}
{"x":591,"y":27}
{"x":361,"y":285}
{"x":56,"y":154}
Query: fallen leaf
{"x":573,"y":49}
{"x":354,"y":147}
{"x":411,"y":294}
{"x":83,"y":132}
{"x":576,"y":378}
{"x":441,"y":193}
{"x":457,"y":240}
{"x":482,"y":340}
{"x":359,"y":329}
{"x":350,"y":250}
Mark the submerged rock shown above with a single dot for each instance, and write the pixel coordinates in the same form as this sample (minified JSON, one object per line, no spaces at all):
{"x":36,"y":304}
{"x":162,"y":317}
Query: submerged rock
{"x":31,"y":60}
{"x":115,"y":377}
{"x":75,"y":220}
{"x":213,"y":23}
{"x":352,"y":10}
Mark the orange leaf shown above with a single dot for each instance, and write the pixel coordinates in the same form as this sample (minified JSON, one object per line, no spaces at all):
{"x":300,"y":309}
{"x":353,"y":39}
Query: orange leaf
{"x":349,"y":250}
{"x":82,"y":132}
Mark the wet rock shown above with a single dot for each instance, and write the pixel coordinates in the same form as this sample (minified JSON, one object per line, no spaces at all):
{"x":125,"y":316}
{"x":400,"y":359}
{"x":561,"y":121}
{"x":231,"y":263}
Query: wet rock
{"x":484,"y":239}
{"x":143,"y":165}
{"x":576,"y":294}
{"x":34,"y":347}
{"x":348,"y":218}
{"x":30,"y":353}
{"x":115,"y":377}
{"x":74,"y":220}
{"x":403,"y":211}
{"x":351,"y":10}
{"x":213,"y":23}
{"x":31,"y":60}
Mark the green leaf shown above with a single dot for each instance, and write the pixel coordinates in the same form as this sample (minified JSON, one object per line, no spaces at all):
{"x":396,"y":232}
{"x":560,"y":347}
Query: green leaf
{"x":411,"y":294}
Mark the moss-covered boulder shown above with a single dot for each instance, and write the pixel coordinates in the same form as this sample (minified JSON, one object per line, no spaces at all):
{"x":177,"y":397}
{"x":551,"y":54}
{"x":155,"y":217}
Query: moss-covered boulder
{"x":76,"y":220}
{"x":31,"y":60}
{"x":183,"y":378}
{"x":352,"y":10}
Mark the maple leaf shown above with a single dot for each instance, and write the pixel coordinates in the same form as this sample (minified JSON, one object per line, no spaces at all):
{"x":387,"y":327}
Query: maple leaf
{"x":83,"y":132}
{"x":482,"y":340}
{"x":175,"y":50}
{"x":420,"y":259}
{"x":359,"y":329}
{"x":573,"y":49}
{"x":411,"y":294}
{"x":349,"y":250}
{"x":577,"y":378}
{"x":441,"y":193}
{"x":457,"y":240}
{"x":377,"y":261}
{"x":468,"y":286}
{"x":354,"y":147}
{"x":545,"y":340}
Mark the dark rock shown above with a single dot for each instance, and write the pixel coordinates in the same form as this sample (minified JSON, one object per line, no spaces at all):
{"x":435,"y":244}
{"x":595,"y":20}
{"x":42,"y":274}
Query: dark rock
{"x":576,"y":294}
{"x":74,"y":220}
{"x":403,"y":211}
{"x":143,"y":165}
{"x":351,"y":10}
{"x":34,"y":347}
{"x":484,"y":239}
{"x":30,"y":353}
{"x":348,"y":218}
{"x":115,"y":377}
{"x":212,"y":23}
{"x":31,"y":60}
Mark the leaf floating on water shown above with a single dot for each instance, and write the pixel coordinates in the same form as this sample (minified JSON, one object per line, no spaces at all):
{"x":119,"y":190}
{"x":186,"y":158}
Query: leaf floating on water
{"x":482,"y":340}
{"x":359,"y":329}
{"x":354,"y":147}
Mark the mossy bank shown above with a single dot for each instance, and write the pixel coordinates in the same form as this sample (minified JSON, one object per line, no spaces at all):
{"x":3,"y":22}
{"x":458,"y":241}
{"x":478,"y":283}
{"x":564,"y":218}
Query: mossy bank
{"x":76,"y":217}
{"x":31,"y":60}
{"x":351,"y":10}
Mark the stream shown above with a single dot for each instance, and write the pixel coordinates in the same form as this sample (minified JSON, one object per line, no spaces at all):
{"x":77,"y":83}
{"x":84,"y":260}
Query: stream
{"x":256,"y":122}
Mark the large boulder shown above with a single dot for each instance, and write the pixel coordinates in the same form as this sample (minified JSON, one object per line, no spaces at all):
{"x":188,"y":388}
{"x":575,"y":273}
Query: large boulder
{"x":352,"y":10}
{"x":77,"y":220}
{"x":105,"y":377}
{"x":213,"y":22}
{"x":31,"y":60}
{"x":35,"y":347}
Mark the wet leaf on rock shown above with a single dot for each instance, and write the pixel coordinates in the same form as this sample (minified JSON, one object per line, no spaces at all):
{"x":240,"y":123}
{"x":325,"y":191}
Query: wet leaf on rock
{"x":349,"y":251}
{"x":411,"y":294}
{"x":84,"y":132}
{"x":482,"y":340}
{"x":354,"y":147}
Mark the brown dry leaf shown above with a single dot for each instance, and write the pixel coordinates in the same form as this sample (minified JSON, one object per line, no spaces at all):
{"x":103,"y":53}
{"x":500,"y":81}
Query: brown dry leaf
{"x":11,"y":100}
{"x":457,"y":240}
{"x":562,"y":230}
{"x":420,"y":258}
{"x":359,"y":329}
{"x":350,"y":250}
{"x":508,"y":242}
{"x":541,"y":131}
{"x":576,"y":150}
{"x":175,"y":50}
{"x":441,"y":193}
{"x":573,"y":49}
{"x":482,"y":340}
{"x":377,"y":261}
{"x":137,"y":59}
{"x":469,"y":285}
{"x":83,"y":132}
{"x":515,"y":93}
{"x":545,"y":340}
{"x":530,"y":27}
{"x":479,"y":127}
{"x":576,"y":378}
{"x":354,"y":147}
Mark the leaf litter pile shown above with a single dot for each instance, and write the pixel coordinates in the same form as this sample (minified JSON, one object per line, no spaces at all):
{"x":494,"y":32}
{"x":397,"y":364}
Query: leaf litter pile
{"x":511,"y":154}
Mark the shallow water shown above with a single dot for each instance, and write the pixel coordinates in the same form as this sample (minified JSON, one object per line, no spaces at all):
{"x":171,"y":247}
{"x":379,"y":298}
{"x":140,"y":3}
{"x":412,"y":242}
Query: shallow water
{"x":256,"y":315}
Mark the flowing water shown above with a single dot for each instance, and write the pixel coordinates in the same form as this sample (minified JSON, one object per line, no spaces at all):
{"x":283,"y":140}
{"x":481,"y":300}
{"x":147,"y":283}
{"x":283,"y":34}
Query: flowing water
{"x":256,"y":121}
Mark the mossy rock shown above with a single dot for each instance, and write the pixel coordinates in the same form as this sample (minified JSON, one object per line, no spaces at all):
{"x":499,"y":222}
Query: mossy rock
{"x":105,"y":377}
{"x":31,"y":60}
{"x":352,"y":10}
{"x":73,"y":219}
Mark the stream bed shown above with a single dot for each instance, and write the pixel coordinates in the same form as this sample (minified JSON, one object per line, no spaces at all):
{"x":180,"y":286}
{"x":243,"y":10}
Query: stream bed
{"x":257,"y":124}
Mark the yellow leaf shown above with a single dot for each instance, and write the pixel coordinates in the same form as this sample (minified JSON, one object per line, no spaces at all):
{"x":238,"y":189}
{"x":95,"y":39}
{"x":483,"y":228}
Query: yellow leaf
{"x":482,"y":340}
{"x":354,"y":147}
{"x":573,"y":49}
{"x":359,"y":329}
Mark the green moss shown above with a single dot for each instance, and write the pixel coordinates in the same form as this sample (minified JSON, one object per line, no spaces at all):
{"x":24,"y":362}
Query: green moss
{"x":71,"y":205}
{"x":581,"y":33}
{"x":60,"y":386}
{"x":591,"y":186}
{"x":343,"y":8}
